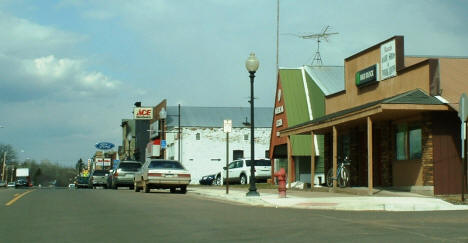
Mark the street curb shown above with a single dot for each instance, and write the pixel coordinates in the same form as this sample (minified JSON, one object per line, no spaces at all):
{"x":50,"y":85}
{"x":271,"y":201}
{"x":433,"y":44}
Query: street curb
{"x":358,"y":203}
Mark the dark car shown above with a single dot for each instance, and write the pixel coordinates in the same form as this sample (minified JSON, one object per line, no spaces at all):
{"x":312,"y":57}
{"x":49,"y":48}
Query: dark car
{"x":21,"y":183}
{"x":207,"y":180}
{"x":82,"y":182}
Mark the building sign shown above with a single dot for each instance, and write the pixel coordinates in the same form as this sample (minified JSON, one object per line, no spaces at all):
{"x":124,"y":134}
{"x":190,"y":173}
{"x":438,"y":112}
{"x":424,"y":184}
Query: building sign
{"x":279,"y":95}
{"x":104,"y":145}
{"x":279,"y":110}
{"x":143,"y":113}
{"x":279,"y":122}
{"x":367,"y":76}
{"x":107,"y":162}
{"x":388,"y":60}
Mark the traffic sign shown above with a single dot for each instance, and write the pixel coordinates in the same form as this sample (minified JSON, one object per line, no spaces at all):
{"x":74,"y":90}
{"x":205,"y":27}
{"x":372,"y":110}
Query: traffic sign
{"x":463,"y":107}
{"x":163,"y":144}
{"x":463,"y":114}
{"x":227,"y":126}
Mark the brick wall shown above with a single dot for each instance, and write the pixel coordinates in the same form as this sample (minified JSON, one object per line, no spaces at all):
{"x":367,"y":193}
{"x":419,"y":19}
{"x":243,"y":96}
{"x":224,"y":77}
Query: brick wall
{"x":427,"y":151}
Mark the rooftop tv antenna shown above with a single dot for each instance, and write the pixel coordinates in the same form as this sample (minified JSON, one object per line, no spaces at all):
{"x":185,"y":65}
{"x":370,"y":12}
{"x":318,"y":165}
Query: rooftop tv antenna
{"x":319,"y":37}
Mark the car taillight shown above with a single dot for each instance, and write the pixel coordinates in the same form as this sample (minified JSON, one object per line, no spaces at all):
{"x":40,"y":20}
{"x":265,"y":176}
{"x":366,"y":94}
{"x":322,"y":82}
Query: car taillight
{"x":155,"y":174}
{"x":184,"y":175}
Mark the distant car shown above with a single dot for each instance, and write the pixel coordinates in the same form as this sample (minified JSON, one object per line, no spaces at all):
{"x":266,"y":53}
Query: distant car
{"x":124,"y":173}
{"x":98,"y":178}
{"x":3,"y":184}
{"x":82,"y":182}
{"x":239,"y":171}
{"x":71,"y":186}
{"x":21,"y":183}
{"x":11,"y":184}
{"x":207,"y":180}
{"x":162,"y":174}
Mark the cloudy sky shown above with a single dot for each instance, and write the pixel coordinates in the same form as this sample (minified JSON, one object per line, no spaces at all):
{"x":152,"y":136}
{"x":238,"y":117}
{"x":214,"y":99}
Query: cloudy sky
{"x":71,"y":70}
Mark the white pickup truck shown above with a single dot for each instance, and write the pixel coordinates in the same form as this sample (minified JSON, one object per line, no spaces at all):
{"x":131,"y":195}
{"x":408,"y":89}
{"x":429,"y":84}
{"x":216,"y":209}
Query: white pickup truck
{"x":161,"y":174}
{"x":239,"y":171}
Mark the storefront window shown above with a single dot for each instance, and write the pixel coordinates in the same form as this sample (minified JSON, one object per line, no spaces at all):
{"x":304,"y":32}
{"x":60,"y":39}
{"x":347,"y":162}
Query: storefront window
{"x":408,"y":142}
{"x":401,"y":143}
{"x":415,"y":143}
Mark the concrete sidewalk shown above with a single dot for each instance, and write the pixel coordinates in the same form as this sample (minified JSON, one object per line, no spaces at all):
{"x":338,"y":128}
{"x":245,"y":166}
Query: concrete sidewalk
{"x":387,"y":201}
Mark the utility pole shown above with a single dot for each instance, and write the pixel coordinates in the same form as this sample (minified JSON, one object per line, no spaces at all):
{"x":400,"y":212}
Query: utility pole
{"x":3,"y":168}
{"x":227,"y":129}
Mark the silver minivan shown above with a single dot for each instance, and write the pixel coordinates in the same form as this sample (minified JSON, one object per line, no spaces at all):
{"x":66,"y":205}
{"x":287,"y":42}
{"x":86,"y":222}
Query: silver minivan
{"x":123,"y":174}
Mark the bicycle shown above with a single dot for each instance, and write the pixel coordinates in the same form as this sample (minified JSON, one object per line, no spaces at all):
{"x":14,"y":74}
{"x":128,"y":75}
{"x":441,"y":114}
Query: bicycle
{"x":342,"y":174}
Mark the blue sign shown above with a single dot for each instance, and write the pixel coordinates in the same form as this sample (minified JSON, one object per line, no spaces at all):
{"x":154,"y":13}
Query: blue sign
{"x":163,"y":144}
{"x":104,"y":145}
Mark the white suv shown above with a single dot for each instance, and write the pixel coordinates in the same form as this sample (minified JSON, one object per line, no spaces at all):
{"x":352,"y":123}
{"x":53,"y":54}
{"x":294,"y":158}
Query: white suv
{"x":239,"y":171}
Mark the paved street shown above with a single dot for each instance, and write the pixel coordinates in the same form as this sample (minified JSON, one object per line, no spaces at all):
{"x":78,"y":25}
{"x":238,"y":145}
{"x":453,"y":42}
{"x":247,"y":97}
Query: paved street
{"x":63,"y":215}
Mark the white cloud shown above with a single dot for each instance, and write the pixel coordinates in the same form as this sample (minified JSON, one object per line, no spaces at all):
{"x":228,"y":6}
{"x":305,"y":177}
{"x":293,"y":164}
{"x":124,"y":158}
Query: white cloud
{"x":21,"y":37}
{"x":66,"y":77}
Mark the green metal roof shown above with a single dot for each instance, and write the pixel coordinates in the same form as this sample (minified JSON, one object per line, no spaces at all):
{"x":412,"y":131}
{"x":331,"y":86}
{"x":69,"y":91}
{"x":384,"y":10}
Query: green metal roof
{"x":296,"y":106}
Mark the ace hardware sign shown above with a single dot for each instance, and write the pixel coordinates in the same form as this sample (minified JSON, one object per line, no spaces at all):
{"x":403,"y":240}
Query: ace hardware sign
{"x":143,"y":113}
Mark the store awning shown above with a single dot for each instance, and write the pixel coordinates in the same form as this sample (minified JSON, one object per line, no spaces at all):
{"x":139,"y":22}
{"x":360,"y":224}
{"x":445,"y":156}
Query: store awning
{"x":405,"y":104}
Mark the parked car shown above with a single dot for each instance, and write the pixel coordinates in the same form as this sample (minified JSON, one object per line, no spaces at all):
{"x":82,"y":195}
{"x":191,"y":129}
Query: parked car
{"x":3,"y":184}
{"x":239,"y":171}
{"x":11,"y":184}
{"x":82,"y":182}
{"x":98,"y":178}
{"x":124,"y":173}
{"x":207,"y":180}
{"x":162,"y":174}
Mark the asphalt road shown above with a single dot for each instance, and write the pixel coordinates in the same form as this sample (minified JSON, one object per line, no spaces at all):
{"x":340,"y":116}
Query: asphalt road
{"x":81,"y":215}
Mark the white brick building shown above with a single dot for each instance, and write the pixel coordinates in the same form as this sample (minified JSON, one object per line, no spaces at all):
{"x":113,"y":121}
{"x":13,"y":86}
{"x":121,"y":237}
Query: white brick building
{"x":203,"y":146}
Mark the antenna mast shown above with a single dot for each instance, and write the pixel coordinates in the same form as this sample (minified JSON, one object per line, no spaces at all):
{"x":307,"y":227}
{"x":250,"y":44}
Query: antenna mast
{"x":319,"y":37}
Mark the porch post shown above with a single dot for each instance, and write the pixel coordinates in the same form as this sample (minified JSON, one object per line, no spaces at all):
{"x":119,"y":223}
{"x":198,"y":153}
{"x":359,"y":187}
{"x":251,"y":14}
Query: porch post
{"x":369,"y":155}
{"x":289,"y":162}
{"x":312,"y":160}
{"x":335,"y":154}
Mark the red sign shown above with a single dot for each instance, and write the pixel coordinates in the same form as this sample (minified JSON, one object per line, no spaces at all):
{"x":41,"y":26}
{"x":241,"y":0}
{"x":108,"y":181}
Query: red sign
{"x":145,"y":113}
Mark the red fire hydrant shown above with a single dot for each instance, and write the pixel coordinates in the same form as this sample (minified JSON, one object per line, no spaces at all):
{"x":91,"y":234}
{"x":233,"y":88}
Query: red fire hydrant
{"x":281,"y":174}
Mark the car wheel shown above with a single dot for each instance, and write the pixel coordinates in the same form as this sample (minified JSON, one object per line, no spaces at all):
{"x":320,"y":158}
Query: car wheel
{"x":173,"y":190}
{"x":146,"y":188}
{"x":135,"y":187}
{"x":183,"y":189}
{"x":243,"y":179}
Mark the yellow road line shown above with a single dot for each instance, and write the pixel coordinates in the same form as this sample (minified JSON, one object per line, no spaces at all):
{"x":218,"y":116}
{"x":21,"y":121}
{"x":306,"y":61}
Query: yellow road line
{"x":17,"y":197}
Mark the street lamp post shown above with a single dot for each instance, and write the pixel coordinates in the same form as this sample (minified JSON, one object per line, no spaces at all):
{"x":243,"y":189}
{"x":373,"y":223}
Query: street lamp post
{"x":252,"y":66}
{"x":162,"y":116}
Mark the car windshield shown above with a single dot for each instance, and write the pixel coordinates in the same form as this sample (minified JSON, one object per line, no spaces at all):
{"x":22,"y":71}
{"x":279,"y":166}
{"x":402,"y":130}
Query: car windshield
{"x":130,"y":166}
{"x":165,"y":164}
{"x":83,"y":179}
{"x":99,"y":173}
{"x":260,"y":162}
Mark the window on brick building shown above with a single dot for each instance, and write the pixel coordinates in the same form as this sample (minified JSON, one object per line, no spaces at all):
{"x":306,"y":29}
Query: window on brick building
{"x":237,"y":154}
{"x":408,"y":142}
